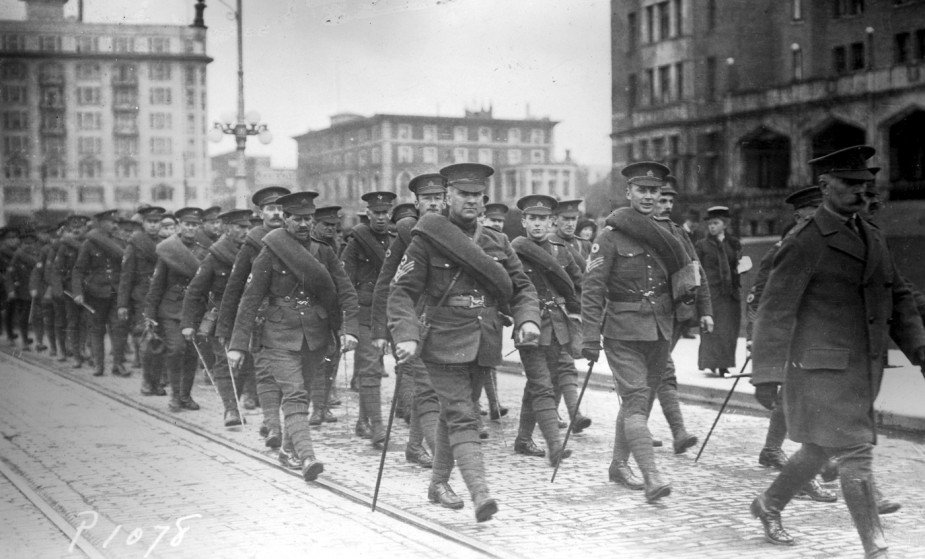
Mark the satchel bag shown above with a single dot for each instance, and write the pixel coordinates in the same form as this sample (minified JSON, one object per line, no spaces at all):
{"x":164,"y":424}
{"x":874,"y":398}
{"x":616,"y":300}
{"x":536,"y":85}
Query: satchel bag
{"x":423,"y":323}
{"x":207,"y":325}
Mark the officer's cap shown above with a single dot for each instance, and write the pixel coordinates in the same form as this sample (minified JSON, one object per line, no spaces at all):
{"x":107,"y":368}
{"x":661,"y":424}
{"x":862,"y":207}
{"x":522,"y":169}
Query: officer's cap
{"x":670,"y":188}
{"x":428,"y":183}
{"x":107,"y":214}
{"x":268,"y":195}
{"x":189,"y":215}
{"x":569,"y":208}
{"x":379,"y":200}
{"x":849,"y":163}
{"x":468,"y":177}
{"x":718,"y":211}
{"x":496,"y":210}
{"x":328,"y":214}
{"x":402,"y":211}
{"x":169,"y":217}
{"x":298,"y":203}
{"x":537,"y":204}
{"x":77,"y":220}
{"x":152,"y":212}
{"x":236,"y":217}
{"x":211,"y":213}
{"x":810,"y":196}
{"x":645,"y":173}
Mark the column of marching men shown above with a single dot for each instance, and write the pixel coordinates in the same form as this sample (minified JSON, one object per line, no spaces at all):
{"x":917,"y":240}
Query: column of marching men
{"x":267,"y":302}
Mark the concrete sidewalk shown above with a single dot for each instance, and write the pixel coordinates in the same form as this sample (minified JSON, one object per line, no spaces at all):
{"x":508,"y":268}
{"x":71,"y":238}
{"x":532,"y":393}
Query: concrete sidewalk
{"x":901,"y":404}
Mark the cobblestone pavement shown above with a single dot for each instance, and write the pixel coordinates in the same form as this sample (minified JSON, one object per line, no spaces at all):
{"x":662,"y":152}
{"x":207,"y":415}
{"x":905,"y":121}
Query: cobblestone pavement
{"x":582,"y":513}
{"x":25,"y":531}
{"x":144,"y":488}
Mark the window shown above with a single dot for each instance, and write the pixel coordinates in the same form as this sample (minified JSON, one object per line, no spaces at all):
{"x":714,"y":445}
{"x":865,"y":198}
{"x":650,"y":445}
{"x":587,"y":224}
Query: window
{"x":632,"y":32}
{"x":460,"y":134}
{"x":679,"y":80}
{"x":430,"y":133}
{"x":161,"y":121}
{"x":537,"y":156}
{"x":55,"y":195}
{"x":13,"y":42}
{"x":190,"y":97}
{"x":405,"y":154}
{"x":16,"y":169}
{"x":90,"y":168}
{"x":13,"y":95}
{"x":650,"y":24}
{"x":650,"y":86}
{"x":840,"y":60}
{"x":89,"y":145}
{"x":127,"y":146}
{"x":632,"y":91}
{"x":711,"y":78}
{"x":126,"y":98}
{"x":429,"y":155}
{"x":796,"y":63}
{"x":51,"y":73}
{"x":189,"y":75}
{"x":162,"y":192}
{"x":126,"y":168}
{"x":514,"y":156}
{"x":50,"y":43}
{"x":89,"y":121}
{"x":796,"y":9}
{"x":12,"y":70}
{"x":664,"y":21}
{"x":404,"y":131}
{"x":90,"y":195}
{"x":362,"y":158}
{"x":52,"y":122}
{"x":678,"y":13}
{"x":460,"y":155}
{"x":15,"y":145}
{"x":160,"y":95}
{"x":536,"y":136}
{"x":513,"y":136}
{"x":664,"y":83}
{"x":123,"y":74}
{"x":484,"y":134}
{"x":190,"y":123}
{"x":53,"y":146}
{"x":161,"y":146}
{"x":159,"y":71}
{"x":15,"y":120}
{"x":857,"y":56}
{"x":848,"y":8}
{"x":88,"y":96}
{"x":920,"y":44}
{"x":123,"y":44}
{"x":159,"y":44}
{"x":485,"y":156}
{"x":161,"y":169}
{"x":88,"y":44}
{"x":88,"y":72}
{"x":901,"y":48}
{"x":363,"y":134}
{"x":711,"y":15}
{"x":375,"y":155}
{"x":125,"y":124}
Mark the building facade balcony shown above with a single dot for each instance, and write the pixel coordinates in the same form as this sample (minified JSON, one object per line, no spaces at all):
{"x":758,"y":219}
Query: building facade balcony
{"x":124,"y":81}
{"x":57,"y":129}
{"x":125,"y":106}
{"x":125,"y":130}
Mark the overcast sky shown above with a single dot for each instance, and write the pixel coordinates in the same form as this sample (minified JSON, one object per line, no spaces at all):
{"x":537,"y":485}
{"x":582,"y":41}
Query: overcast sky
{"x":305,"y":60}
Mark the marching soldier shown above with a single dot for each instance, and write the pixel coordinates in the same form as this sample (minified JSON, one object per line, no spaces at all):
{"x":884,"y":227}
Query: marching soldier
{"x":138,"y":265}
{"x":65,"y":259}
{"x":212,"y":224}
{"x":832,"y":299}
{"x":18,"y":276}
{"x":9,"y":307}
{"x":56,"y":317}
{"x":494,"y":216}
{"x":95,"y":282}
{"x":309,"y":300}
{"x":566,"y":222}
{"x":178,"y":259}
{"x":327,"y":220}
{"x":554,"y":273}
{"x":628,"y":297}
{"x":268,"y":392}
{"x":42,"y":316}
{"x":430,"y":197}
{"x":462,"y":272}
{"x":363,"y":258}
{"x":204,"y":297}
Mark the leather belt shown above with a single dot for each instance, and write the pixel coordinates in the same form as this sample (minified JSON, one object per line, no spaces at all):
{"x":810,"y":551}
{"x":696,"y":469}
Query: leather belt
{"x":554,"y":302}
{"x":469,"y":301}
{"x":633,"y":297}
{"x":290,"y":302}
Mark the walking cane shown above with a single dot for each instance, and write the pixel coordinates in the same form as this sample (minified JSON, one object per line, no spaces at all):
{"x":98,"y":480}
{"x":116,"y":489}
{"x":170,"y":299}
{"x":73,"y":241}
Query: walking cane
{"x":493,"y":380}
{"x":388,"y":432}
{"x":571,"y":422}
{"x":723,"y":407}
{"x":212,"y":379}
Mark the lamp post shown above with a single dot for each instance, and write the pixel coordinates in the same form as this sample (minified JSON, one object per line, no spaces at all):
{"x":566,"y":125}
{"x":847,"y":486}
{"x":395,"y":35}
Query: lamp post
{"x":242,"y":124}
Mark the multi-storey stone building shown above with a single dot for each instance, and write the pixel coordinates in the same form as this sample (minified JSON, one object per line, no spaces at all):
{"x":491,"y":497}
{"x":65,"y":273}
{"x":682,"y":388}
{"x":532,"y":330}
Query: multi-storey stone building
{"x":258,"y":174}
{"x":736,"y":96}
{"x":358,"y":154}
{"x":96,"y":116}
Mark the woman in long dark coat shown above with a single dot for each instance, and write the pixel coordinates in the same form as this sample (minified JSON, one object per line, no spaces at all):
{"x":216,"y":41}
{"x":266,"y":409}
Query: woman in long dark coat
{"x":719,"y":255}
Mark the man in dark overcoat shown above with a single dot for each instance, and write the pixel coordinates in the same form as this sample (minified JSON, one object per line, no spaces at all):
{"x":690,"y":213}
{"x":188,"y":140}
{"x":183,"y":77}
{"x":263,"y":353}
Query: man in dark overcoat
{"x":831,"y":302}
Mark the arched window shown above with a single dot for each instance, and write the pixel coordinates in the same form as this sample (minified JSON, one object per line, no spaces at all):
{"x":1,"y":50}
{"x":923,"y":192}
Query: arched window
{"x":402,"y":180}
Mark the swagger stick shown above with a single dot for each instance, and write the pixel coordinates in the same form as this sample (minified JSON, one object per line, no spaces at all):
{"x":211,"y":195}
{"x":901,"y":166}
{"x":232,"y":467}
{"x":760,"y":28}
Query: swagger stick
{"x":723,"y":407}
{"x":571,"y":422}
{"x":212,"y":379}
{"x":388,"y":432}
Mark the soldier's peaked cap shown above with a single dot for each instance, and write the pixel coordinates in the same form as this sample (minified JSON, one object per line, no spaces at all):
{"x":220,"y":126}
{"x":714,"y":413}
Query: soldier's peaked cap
{"x":108,"y":214}
{"x":298,"y":203}
{"x":211,"y":213}
{"x":236,"y":217}
{"x":269,"y":195}
{"x":468,"y":177}
{"x":152,"y":212}
{"x":537,"y":204}
{"x":717,"y":211}
{"x":77,"y":220}
{"x":402,"y":211}
{"x":496,"y":210}
{"x":189,"y":215}
{"x":809,"y":196}
{"x":379,"y":200}
{"x":670,"y":186}
{"x":569,"y":208}
{"x":645,"y":173}
{"x":849,"y":163}
{"x":428,"y":183}
{"x":328,"y":214}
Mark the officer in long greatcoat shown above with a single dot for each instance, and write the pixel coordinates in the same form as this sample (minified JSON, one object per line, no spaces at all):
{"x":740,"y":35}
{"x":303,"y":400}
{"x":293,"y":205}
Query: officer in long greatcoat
{"x":463,"y":272}
{"x":66,"y":257}
{"x":309,"y":302}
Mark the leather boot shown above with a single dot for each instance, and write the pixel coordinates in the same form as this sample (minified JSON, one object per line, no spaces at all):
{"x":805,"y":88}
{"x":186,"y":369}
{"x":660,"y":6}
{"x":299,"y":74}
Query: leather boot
{"x":174,"y":366}
{"x":362,"y":429}
{"x":441,"y":493}
{"x":772,"y":458}
{"x":232,"y":418}
{"x":620,"y":472}
{"x":311,"y":468}
{"x":859,"y":496}
{"x":417,"y":454}
{"x":468,"y":457}
{"x":274,"y":436}
{"x":377,"y":434}
{"x":685,"y":442}
{"x":187,"y":378}
{"x":884,"y":505}
{"x":443,"y":455}
{"x":640,"y":444}
{"x":813,"y":491}
{"x":316,"y":418}
{"x":119,"y":370}
{"x":527,"y":447}
{"x":769,"y":514}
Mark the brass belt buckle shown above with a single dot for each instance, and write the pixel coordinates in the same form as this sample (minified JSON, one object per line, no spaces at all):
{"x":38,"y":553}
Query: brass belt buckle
{"x":301,"y":302}
{"x":476,"y":302}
